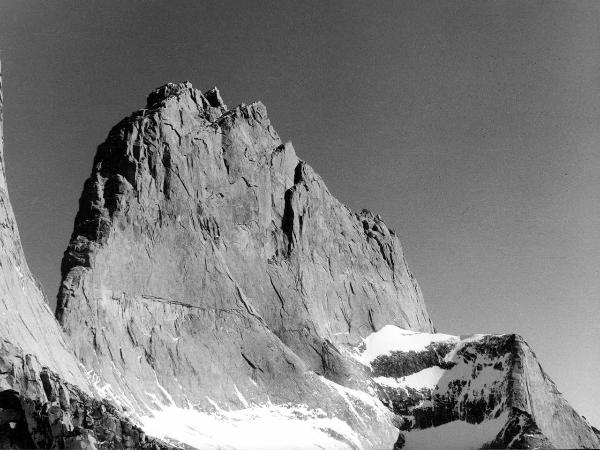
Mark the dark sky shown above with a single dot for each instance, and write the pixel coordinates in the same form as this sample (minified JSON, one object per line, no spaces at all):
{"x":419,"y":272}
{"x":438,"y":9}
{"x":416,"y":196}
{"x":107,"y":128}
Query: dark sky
{"x":472,"y":127}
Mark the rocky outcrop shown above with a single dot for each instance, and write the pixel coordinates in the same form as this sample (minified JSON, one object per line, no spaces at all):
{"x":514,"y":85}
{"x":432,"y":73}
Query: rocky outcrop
{"x":38,"y":409}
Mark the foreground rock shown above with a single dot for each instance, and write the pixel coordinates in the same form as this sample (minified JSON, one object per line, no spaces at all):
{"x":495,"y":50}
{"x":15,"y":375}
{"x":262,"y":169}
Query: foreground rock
{"x":38,"y":409}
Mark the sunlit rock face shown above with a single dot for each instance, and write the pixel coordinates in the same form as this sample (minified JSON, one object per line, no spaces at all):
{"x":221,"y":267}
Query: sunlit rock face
{"x":216,"y":291}
{"x":31,"y":341}
{"x":210,"y":263}
{"x":25,"y":318}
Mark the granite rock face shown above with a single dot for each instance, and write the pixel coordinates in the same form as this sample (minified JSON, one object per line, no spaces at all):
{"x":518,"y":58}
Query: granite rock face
{"x":207,"y":260}
{"x":25,"y":316}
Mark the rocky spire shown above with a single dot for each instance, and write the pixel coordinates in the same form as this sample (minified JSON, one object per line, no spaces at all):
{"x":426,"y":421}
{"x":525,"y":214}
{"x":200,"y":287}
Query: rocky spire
{"x":197,"y":221}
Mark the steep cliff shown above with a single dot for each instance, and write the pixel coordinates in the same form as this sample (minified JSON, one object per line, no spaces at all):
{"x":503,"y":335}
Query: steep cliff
{"x":216,"y":290}
{"x":26,"y":317}
{"x":208,"y":261}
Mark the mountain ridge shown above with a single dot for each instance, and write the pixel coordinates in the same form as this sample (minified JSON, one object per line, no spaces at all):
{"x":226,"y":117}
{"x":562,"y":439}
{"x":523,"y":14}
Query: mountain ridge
{"x":214,"y":293}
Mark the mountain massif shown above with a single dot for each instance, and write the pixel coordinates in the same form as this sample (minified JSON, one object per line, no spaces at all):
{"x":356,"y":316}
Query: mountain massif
{"x":215,"y":294}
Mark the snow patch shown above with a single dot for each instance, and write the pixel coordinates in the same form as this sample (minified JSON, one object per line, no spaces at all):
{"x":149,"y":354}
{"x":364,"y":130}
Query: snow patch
{"x":464,"y":339}
{"x":455,"y":435}
{"x":426,"y":378}
{"x":391,"y":338}
{"x":262,"y":427}
{"x":240,"y":397}
{"x":355,"y":398}
{"x":482,"y":374}
{"x":105,"y":390}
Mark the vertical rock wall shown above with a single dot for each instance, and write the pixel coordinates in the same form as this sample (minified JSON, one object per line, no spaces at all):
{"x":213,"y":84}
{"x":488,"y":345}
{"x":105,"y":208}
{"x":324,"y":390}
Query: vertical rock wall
{"x":24,"y":314}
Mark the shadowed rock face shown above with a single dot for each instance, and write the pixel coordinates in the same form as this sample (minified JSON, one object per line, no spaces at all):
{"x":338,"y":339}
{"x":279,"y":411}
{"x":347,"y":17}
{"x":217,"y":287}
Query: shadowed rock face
{"x":206,"y":255}
{"x":38,"y":409}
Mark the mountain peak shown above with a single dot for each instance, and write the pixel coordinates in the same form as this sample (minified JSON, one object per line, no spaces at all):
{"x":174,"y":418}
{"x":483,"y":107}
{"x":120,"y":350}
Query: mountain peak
{"x":210,"y":102}
{"x":166,"y":91}
{"x":214,"y":292}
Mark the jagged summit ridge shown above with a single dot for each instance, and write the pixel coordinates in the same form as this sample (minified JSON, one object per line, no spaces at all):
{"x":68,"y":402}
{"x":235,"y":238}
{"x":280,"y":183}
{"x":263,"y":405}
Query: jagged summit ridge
{"x":210,"y":99}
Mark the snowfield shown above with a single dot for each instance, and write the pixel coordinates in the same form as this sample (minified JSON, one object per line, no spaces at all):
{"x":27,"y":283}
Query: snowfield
{"x":426,"y":378}
{"x":393,"y":339}
{"x":455,"y":435}
{"x":268,"y":427}
{"x":256,"y":428}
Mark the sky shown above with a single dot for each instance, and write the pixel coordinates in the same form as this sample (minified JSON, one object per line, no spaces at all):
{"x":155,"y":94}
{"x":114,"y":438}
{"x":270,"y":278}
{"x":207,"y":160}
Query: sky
{"x":473,"y":128}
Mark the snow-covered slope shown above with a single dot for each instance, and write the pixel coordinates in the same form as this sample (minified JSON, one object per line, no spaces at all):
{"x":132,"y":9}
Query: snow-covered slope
{"x":268,"y":426}
{"x":469,"y":392}
{"x":439,"y":390}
